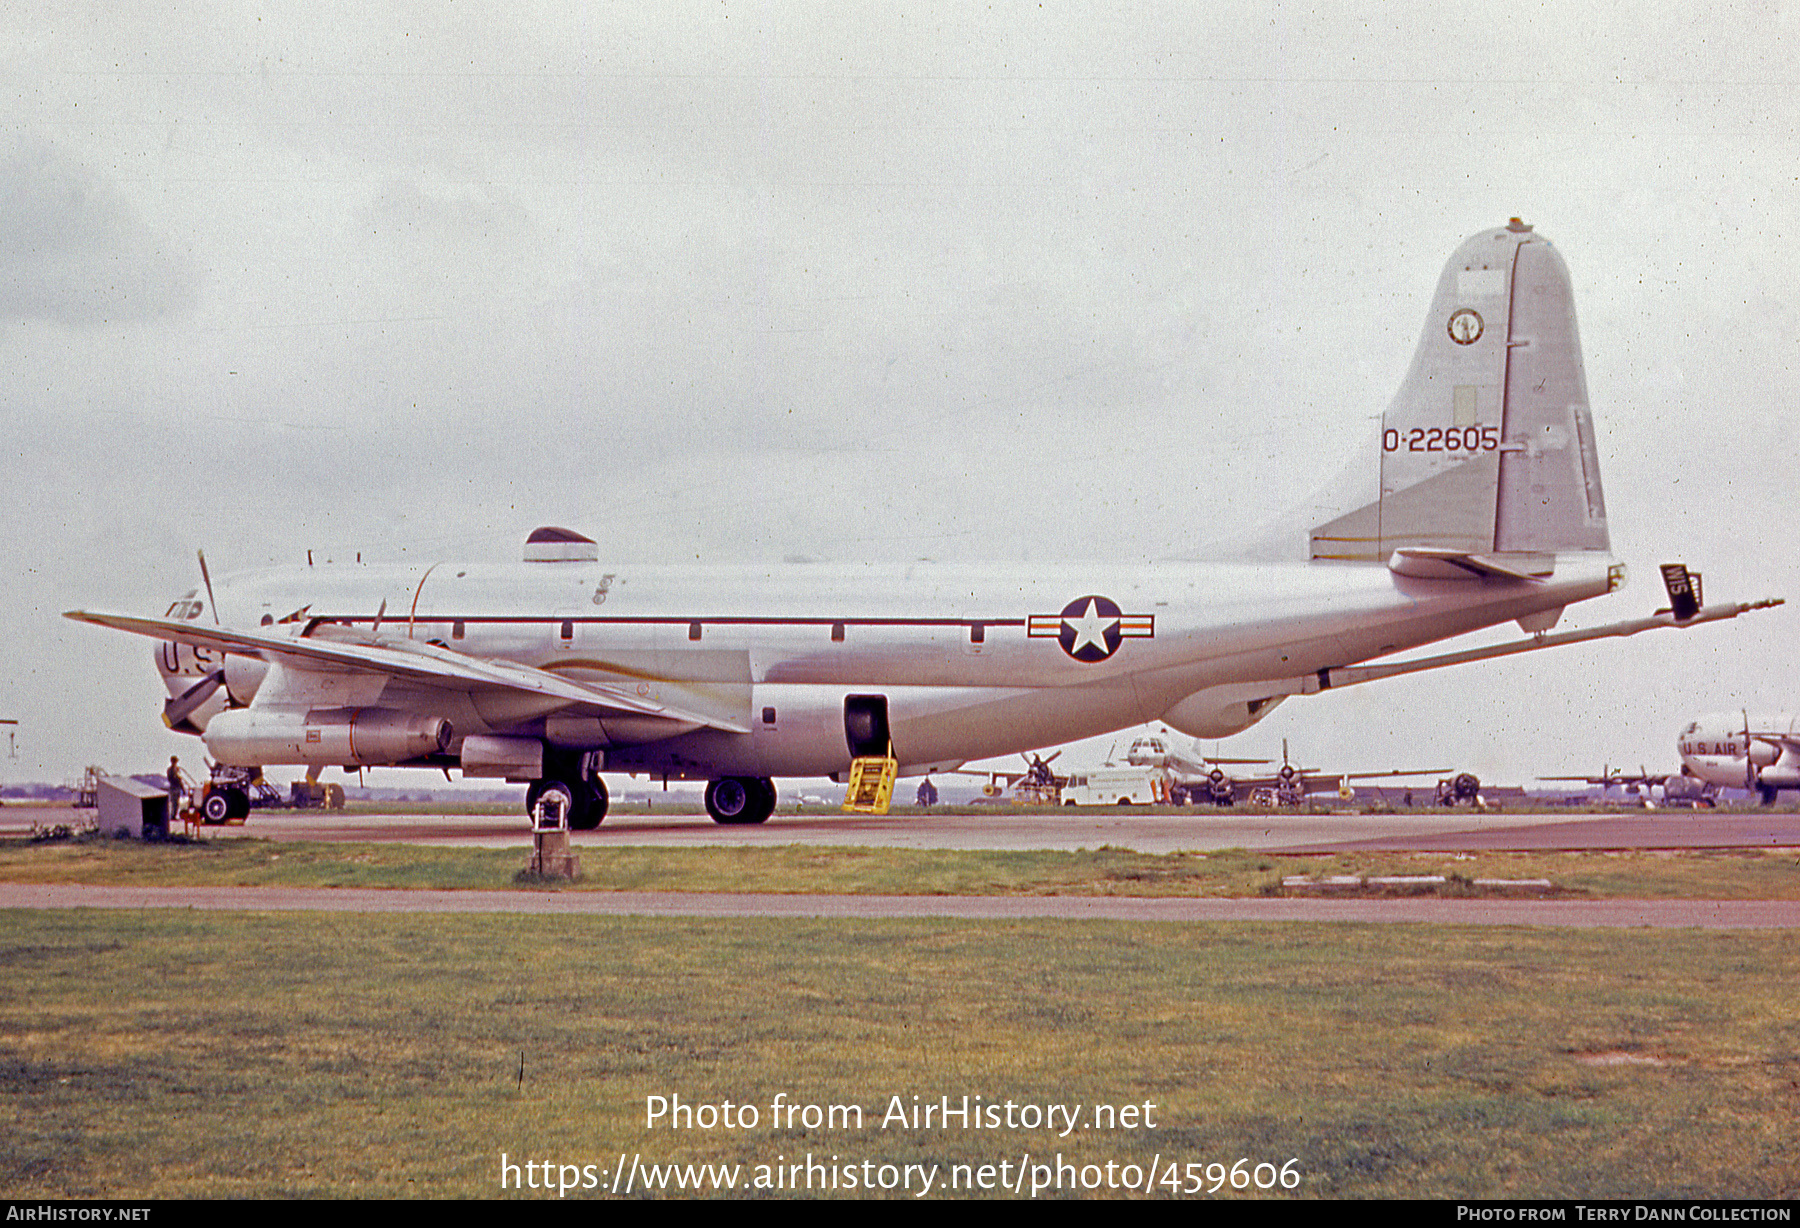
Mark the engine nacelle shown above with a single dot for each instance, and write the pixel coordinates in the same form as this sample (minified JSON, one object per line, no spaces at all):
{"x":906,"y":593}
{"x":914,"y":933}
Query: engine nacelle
{"x":251,"y":737}
{"x":1219,"y":712}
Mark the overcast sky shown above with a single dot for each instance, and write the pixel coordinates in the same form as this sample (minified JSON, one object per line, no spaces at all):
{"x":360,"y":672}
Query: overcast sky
{"x":728,"y":282}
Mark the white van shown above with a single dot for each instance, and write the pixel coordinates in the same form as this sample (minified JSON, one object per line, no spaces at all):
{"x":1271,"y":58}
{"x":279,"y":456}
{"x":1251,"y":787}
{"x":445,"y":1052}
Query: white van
{"x":1125,"y":786}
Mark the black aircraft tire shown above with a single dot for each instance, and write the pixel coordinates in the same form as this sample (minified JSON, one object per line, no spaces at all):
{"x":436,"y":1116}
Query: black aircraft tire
{"x":740,"y":801}
{"x":216,"y":809}
{"x":766,"y":788}
{"x":590,"y":809}
{"x":538,"y":788}
{"x":728,"y":800}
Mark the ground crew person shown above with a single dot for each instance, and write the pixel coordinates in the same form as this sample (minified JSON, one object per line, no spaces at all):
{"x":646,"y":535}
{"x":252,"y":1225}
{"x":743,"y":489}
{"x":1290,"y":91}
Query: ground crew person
{"x":175,"y":788}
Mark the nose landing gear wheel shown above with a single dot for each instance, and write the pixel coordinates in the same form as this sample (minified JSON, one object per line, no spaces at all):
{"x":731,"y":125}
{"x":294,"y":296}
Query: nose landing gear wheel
{"x":216,"y":809}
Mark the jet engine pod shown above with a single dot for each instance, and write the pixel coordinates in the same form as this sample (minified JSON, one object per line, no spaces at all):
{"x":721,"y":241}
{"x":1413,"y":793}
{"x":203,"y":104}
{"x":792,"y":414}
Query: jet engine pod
{"x":251,"y":737}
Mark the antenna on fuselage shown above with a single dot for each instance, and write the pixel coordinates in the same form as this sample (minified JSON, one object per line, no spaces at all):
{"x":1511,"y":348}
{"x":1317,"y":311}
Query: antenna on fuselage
{"x":204,"y":575}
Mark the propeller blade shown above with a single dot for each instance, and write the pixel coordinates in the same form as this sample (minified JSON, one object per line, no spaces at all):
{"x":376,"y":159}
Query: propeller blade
{"x":207,"y":577}
{"x":180,"y":707}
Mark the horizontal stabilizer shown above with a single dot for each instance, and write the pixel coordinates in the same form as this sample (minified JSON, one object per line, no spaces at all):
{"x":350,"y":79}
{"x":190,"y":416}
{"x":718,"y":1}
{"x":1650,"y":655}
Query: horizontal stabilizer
{"x":1427,"y":563}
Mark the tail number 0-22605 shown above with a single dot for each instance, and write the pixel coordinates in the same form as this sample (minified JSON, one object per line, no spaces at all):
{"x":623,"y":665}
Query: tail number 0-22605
{"x":1443,"y":439}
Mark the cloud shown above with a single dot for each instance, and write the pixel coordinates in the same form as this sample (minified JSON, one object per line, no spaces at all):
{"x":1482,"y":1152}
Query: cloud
{"x":73,"y":251}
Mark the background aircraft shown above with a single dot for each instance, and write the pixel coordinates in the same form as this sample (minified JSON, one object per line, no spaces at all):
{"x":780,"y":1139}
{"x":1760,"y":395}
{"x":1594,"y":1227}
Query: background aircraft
{"x":1199,"y":778}
{"x":1740,"y":751}
{"x":1036,"y":784}
{"x":1677,"y":787}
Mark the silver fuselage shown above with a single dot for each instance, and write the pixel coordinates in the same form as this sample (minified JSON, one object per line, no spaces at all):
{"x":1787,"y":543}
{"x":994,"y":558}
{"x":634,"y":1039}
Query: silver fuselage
{"x":971,"y":661}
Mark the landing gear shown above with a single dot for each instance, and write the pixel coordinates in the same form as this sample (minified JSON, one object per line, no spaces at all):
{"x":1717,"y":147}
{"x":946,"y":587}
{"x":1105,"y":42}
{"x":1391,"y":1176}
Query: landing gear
{"x":591,"y":807}
{"x":740,"y":800}
{"x":584,"y":801}
{"x":224,"y":806}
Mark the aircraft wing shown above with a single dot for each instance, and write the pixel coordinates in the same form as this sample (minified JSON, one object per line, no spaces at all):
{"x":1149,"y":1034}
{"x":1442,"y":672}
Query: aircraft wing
{"x":1313,"y":782}
{"x":1621,"y":779}
{"x":424,"y":664}
{"x":1009,"y":777}
{"x":1306,"y":782}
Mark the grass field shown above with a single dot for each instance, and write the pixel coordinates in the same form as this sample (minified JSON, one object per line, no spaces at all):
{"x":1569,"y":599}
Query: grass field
{"x":172,"y":1054}
{"x":176,"y":1054}
{"x":1694,"y":874}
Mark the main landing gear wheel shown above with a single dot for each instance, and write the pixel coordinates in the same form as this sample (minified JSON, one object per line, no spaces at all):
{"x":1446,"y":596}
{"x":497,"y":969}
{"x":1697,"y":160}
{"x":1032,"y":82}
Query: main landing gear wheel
{"x":584,"y":801}
{"x":591,"y":805}
{"x":740,"y":800}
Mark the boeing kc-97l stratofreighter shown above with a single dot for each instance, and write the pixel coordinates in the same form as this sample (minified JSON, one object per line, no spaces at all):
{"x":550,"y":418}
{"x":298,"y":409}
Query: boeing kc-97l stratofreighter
{"x":1488,"y":510}
{"x":1742,"y":751}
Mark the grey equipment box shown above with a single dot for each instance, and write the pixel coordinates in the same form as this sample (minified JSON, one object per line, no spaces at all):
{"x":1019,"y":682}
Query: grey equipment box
{"x":126,"y":805}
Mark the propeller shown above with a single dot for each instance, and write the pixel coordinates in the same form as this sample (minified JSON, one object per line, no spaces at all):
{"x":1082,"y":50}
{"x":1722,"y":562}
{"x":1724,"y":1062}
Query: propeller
{"x":1037,"y":770}
{"x":1288,"y":771}
{"x":180,"y":707}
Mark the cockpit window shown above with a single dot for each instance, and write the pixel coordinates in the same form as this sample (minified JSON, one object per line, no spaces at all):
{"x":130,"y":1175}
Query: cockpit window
{"x":184,"y":608}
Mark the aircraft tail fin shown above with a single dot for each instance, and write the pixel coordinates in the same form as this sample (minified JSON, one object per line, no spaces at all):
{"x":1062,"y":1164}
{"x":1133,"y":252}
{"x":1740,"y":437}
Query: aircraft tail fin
{"x":1488,"y":449}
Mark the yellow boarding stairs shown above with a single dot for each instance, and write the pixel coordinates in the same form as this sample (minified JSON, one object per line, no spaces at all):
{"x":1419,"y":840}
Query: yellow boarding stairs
{"x":871,"y":783}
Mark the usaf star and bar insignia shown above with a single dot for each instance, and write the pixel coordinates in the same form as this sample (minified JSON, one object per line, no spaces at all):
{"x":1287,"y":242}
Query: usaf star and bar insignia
{"x":1091,"y":629}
